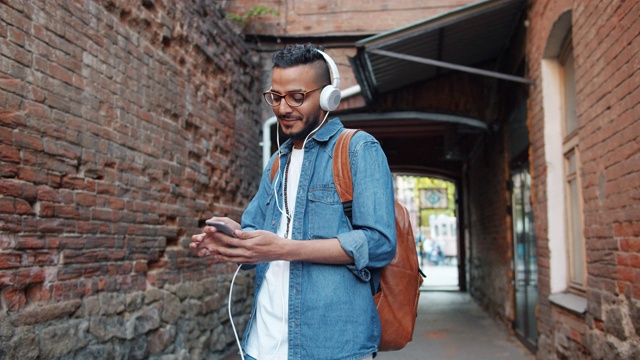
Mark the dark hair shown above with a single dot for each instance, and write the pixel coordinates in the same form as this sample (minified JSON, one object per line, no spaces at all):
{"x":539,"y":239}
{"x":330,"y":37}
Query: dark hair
{"x":297,"y":54}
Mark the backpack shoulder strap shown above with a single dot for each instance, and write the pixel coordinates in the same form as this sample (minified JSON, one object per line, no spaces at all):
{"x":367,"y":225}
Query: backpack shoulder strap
{"x":342,"y":166}
{"x":342,"y":169}
{"x":274,"y":167}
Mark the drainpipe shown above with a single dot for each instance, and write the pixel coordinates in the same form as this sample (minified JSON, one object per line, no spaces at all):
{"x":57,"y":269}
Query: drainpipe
{"x":266,"y":140}
{"x":348,"y":92}
{"x":266,"y":127}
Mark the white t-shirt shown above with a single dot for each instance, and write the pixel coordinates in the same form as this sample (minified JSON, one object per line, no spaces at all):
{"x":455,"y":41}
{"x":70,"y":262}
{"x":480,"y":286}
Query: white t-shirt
{"x":268,"y":338}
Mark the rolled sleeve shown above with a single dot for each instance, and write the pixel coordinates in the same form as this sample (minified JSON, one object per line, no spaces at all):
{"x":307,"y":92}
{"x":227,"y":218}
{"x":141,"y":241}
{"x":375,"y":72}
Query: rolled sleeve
{"x":355,"y":244}
{"x":372,"y":242}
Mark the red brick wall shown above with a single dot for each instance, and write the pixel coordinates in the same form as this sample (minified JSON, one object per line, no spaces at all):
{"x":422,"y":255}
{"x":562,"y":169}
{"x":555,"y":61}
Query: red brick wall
{"x":607,"y":52}
{"x":123,"y":125}
{"x":490,"y":248}
{"x":330,"y":24}
{"x":325,"y":18}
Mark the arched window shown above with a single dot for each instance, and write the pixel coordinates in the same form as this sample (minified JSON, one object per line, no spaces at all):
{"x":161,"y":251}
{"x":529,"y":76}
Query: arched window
{"x":571,"y":155}
{"x":564,"y":199}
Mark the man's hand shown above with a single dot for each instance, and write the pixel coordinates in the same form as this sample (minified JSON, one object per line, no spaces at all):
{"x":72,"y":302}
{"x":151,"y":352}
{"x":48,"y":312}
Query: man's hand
{"x":252,"y":247}
{"x":210,"y":241}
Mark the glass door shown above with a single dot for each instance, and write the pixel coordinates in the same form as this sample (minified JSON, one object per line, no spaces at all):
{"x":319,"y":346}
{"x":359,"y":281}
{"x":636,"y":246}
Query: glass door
{"x":525,"y":261}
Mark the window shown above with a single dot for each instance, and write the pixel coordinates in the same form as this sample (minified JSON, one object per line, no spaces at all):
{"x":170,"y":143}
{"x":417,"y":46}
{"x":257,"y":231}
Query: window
{"x":567,"y":259}
{"x":571,"y":168}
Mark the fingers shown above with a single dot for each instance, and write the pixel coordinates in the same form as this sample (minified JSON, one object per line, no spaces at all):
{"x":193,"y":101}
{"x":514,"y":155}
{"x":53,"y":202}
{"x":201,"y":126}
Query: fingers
{"x":231,"y":223}
{"x":196,"y":240}
{"x":203,"y":252}
{"x":205,"y":248}
{"x":223,"y":247}
{"x":202,"y":243}
{"x":212,"y":242}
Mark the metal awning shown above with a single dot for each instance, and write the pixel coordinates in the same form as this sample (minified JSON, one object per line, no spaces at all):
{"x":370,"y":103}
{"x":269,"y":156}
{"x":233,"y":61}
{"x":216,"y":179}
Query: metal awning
{"x":454,"y":41}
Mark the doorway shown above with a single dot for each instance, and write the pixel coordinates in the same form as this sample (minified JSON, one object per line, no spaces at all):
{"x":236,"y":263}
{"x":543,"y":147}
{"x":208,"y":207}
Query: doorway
{"x":431,"y":203}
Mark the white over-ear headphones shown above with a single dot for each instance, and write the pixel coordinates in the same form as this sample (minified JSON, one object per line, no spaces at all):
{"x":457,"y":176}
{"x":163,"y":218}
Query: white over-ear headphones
{"x":330,"y":95}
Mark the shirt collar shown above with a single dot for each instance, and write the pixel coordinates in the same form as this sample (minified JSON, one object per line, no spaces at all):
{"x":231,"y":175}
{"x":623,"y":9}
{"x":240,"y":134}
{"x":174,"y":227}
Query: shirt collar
{"x":327,"y":131}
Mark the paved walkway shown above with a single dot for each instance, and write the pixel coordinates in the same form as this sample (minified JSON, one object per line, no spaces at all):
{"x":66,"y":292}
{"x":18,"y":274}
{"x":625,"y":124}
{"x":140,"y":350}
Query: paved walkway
{"x":451,"y":326}
{"x":444,"y":277}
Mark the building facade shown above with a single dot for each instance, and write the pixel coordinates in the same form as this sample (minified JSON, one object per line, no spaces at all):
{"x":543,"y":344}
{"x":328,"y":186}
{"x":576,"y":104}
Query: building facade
{"x":584,"y":117}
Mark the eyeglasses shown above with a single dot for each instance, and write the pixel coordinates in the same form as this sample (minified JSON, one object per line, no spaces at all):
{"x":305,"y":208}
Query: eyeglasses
{"x":293,"y":99}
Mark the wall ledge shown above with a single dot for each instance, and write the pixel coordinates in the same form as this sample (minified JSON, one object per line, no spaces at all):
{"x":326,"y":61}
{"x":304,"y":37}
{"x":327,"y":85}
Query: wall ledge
{"x":569,"y":301}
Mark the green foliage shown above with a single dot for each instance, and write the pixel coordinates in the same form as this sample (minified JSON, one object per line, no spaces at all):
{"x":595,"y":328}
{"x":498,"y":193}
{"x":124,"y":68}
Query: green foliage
{"x":255,"y":12}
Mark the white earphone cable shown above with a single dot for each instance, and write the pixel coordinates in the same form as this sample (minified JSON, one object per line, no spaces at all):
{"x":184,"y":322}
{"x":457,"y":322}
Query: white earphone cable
{"x":279,"y":172}
{"x":278,"y":176}
{"x":231,"y":316}
{"x":235,"y":332}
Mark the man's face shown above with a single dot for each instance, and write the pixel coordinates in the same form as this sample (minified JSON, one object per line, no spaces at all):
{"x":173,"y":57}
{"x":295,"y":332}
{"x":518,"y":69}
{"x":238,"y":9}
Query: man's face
{"x":297,"y":122}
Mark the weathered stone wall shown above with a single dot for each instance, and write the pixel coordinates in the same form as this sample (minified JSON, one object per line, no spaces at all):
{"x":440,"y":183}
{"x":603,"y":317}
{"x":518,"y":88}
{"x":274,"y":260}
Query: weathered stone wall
{"x":606,"y":48}
{"x":123,"y":126}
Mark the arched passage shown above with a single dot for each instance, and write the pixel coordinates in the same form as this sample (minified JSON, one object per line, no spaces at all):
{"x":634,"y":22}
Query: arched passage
{"x":432,"y":204}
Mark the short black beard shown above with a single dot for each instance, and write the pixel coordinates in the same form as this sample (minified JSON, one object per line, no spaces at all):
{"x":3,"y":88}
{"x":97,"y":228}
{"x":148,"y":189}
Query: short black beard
{"x":308,"y":128}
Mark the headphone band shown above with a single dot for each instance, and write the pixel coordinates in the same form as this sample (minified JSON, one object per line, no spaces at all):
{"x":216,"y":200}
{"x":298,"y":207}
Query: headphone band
{"x":333,"y":68}
{"x":330,"y":96}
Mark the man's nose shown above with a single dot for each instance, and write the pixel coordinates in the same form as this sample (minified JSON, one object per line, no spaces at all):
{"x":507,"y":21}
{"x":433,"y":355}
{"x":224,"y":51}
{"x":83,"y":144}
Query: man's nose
{"x":283,"y":107}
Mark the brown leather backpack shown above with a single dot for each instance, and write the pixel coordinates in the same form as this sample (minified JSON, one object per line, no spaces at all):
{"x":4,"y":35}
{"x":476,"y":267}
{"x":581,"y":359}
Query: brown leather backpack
{"x":400,"y":281}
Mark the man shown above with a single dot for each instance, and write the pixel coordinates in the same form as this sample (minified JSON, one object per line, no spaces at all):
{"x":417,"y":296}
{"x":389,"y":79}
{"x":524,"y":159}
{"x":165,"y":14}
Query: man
{"x":313,"y":295}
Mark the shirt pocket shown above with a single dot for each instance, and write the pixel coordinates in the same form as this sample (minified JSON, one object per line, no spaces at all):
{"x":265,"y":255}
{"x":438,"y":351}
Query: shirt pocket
{"x":326,"y":215}
{"x":271,"y":211}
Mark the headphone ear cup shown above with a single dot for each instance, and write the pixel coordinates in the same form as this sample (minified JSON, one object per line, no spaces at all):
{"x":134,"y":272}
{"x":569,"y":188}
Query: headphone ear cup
{"x":329,"y":98}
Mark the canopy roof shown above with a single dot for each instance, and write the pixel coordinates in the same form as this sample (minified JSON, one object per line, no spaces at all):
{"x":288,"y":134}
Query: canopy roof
{"x":456,"y":40}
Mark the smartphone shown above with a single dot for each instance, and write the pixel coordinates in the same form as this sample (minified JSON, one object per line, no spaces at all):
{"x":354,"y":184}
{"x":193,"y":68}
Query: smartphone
{"x":222,"y":227}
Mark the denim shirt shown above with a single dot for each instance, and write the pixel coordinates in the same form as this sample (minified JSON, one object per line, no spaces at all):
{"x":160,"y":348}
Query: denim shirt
{"x":331,"y":310}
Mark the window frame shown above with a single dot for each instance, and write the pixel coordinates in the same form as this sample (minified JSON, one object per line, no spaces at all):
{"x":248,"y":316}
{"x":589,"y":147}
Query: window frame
{"x":573,"y":214}
{"x":559,"y":142}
